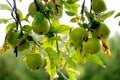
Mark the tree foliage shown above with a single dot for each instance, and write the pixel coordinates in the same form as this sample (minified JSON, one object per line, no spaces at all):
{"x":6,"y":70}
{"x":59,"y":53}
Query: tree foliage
{"x":60,"y":46}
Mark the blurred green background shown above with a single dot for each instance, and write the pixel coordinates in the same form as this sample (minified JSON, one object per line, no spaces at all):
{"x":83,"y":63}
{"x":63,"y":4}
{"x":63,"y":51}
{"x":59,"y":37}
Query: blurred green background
{"x":12,"y":68}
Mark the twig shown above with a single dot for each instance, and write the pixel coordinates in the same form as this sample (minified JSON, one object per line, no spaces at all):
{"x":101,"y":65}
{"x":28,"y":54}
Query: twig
{"x":16,"y":17}
{"x":35,"y":1}
{"x":9,"y":3}
{"x":91,"y":7}
{"x":66,"y":78}
{"x":57,"y":46}
{"x":82,"y":10}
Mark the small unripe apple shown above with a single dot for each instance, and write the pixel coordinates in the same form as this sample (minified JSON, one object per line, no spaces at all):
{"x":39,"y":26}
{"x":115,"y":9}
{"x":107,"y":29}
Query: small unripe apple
{"x":102,"y":31}
{"x":98,"y":6}
{"x":91,"y":46}
{"x":12,"y":38}
{"x":33,"y":61}
{"x":77,"y":34}
{"x":23,"y":45}
{"x":41,"y":28}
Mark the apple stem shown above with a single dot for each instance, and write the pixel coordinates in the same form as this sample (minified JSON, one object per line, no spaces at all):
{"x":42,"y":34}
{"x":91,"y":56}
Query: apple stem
{"x":82,"y":10}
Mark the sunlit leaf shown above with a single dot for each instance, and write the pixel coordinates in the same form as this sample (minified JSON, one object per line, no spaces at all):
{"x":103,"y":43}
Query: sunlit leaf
{"x":71,"y":75}
{"x":78,"y":57}
{"x":58,"y":38}
{"x":95,"y":59}
{"x":61,"y":60}
{"x":5,"y":7}
{"x":51,"y":71}
{"x":72,"y":7}
{"x":4,"y":20}
{"x":57,"y":28}
{"x":71,"y":62}
{"x":108,"y":14}
{"x":63,"y":29}
{"x":73,"y":71}
{"x":52,"y":56}
{"x":52,"y":60}
{"x":55,"y":23}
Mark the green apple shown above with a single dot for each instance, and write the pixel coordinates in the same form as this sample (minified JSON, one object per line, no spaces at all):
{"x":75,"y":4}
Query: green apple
{"x":91,"y":46}
{"x":12,"y":37}
{"x":23,"y":45}
{"x":102,"y":31}
{"x":33,"y":61}
{"x":78,"y":34}
{"x":41,"y":28}
{"x":98,"y":6}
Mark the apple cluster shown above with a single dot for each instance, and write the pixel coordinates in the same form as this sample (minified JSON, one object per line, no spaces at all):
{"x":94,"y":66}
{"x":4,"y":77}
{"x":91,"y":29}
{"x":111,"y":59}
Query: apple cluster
{"x":44,"y":11}
{"x":90,"y":40}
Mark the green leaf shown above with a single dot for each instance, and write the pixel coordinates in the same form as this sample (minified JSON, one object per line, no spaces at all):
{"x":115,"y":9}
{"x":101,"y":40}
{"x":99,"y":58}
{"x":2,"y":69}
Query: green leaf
{"x":108,"y":14}
{"x":89,"y":15}
{"x":10,"y":26}
{"x":51,"y":71}
{"x":52,"y":61}
{"x":27,"y":28}
{"x":58,"y":38}
{"x":55,"y":23}
{"x":71,"y":63}
{"x":95,"y":59}
{"x":72,"y":1}
{"x":71,"y":7}
{"x":52,"y":56}
{"x":117,"y":15}
{"x":4,"y":20}
{"x":119,"y":23}
{"x":69,"y":13}
{"x":73,"y":71}
{"x":71,"y":74}
{"x":63,"y":29}
{"x":57,"y":28}
{"x":5,"y":7}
